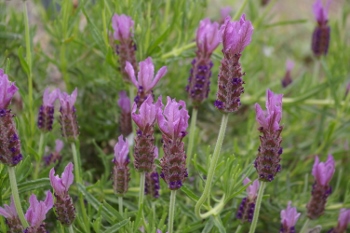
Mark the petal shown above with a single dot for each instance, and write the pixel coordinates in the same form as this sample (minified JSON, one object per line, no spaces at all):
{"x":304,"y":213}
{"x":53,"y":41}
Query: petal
{"x":56,"y":182}
{"x":160,"y":74}
{"x":130,"y":70}
{"x":67,"y":176}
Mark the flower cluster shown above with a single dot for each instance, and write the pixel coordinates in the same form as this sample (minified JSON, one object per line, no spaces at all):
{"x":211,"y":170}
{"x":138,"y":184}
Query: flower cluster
{"x":236,"y":36}
{"x":10,"y":149}
{"x":46,"y":110}
{"x":246,"y":209}
{"x":287,"y":80}
{"x":343,"y":221}
{"x":208,"y":38}
{"x":54,"y":157}
{"x":173,"y":122}
{"x":121,"y":175}
{"x":125,"y":116}
{"x":123,"y":26}
{"x":323,"y":173}
{"x":289,"y":218}
{"x":268,"y":159}
{"x":12,"y":219}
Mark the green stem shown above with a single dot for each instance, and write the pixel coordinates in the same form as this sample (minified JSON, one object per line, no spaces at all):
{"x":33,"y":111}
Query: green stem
{"x":238,"y":228}
{"x":142,"y":188}
{"x":191,"y":138}
{"x":120,"y":203}
{"x":70,"y":229}
{"x":305,"y":226}
{"x":40,"y":155}
{"x":177,"y":51}
{"x":63,"y":61}
{"x":257,"y":206}
{"x":15,"y":196}
{"x":171,"y":211}
{"x":78,"y":179}
{"x":315,"y":76}
{"x":29,"y":63}
{"x":212,"y":166}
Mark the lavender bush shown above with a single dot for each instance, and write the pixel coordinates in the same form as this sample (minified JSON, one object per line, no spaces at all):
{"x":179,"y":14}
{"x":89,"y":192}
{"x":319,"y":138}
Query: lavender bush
{"x":140,"y":147}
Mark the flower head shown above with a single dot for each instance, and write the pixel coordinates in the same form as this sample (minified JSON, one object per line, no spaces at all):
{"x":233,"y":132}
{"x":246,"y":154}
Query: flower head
{"x":121,"y":151}
{"x":37,"y":210}
{"x":208,"y":36}
{"x":289,"y":216}
{"x":9,"y":211}
{"x":50,"y":98}
{"x":321,"y":12}
{"x":124,"y":101}
{"x":147,"y":113}
{"x":61,"y":185}
{"x":173,"y":121}
{"x":343,"y":219}
{"x":236,"y":35}
{"x":145,"y":77}
{"x":7,"y":90}
{"x":323,"y":171}
{"x":289,"y":65}
{"x":252,"y":190}
{"x":122,"y":26}
{"x":67,"y":101}
{"x":271,"y":118}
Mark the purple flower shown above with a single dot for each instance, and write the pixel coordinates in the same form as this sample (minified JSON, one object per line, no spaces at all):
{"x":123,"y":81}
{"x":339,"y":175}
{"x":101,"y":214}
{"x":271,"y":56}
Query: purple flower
{"x":323,"y":172}
{"x":46,"y":111}
{"x":252,"y":190}
{"x":289,"y":218}
{"x":121,"y":151}
{"x":122,"y":26}
{"x":12,"y":219}
{"x":54,"y":156}
{"x":7,"y":90}
{"x":287,"y":80}
{"x":236,"y":35}
{"x":267,"y":162}
{"x":36,"y":212}
{"x":147,"y":113}
{"x":208,"y":36}
{"x":124,"y":102}
{"x":68,"y":118}
{"x":145,"y":78}
{"x":67,"y":101}
{"x":343,"y":221}
{"x":9,"y":211}
{"x":271,"y":118}
{"x":121,"y":174}
{"x":321,"y":12}
{"x":61,"y":185}
{"x":173,"y":121}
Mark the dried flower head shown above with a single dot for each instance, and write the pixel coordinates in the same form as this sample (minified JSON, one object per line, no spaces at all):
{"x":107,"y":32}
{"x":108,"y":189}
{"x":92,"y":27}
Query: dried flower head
{"x":145,"y":78}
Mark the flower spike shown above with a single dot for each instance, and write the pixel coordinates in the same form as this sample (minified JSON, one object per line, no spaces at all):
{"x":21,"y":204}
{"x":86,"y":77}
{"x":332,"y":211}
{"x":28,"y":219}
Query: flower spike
{"x":289,"y":218}
{"x":121,"y":175}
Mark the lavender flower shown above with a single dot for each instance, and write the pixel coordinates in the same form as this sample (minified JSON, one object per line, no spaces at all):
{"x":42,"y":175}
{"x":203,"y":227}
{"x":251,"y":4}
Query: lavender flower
{"x":246,"y":209}
{"x":343,"y":221}
{"x":64,"y":207}
{"x":289,"y":218}
{"x":321,"y":34}
{"x":12,"y":219}
{"x":287,"y":80}
{"x":173,"y":122}
{"x":54,"y":157}
{"x":36,"y":213}
{"x":145,"y":151}
{"x":121,"y":175}
{"x":208,"y":38}
{"x":10,"y":149}
{"x":236,"y":36}
{"x":68,"y":118}
{"x":323,"y":173}
{"x":125,"y":116}
{"x":268,"y":159}
{"x":145,"y":78}
{"x":46,"y":111}
{"x":123,"y":26}
{"x":152,"y":185}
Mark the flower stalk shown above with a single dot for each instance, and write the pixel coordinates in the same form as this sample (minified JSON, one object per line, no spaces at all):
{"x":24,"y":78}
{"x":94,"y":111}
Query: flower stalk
{"x":191,"y":137}
{"x":257,"y":206}
{"x":171,"y":211}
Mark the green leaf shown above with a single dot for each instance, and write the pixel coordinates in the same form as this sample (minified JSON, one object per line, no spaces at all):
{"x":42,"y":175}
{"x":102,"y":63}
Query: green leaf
{"x":189,"y":193}
{"x":117,"y":226}
{"x":43,"y":183}
{"x":218,"y":224}
{"x":23,"y":61}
